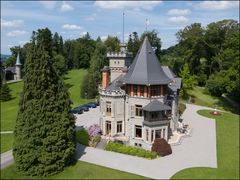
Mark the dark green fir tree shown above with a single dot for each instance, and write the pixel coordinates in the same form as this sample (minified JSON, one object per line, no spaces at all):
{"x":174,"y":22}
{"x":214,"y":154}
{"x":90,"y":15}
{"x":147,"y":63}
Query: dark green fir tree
{"x":44,"y":138}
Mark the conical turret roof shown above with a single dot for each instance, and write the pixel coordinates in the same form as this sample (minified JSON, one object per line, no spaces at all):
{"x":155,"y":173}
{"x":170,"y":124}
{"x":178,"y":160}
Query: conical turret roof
{"x":18,"y":60}
{"x":146,"y":69}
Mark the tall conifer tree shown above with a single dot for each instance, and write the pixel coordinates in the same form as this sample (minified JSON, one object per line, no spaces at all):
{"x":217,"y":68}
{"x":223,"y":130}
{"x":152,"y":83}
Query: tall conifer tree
{"x":44,"y":133}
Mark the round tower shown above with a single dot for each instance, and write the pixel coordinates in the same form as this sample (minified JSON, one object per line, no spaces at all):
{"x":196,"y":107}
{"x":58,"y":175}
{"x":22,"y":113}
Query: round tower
{"x":18,"y":67}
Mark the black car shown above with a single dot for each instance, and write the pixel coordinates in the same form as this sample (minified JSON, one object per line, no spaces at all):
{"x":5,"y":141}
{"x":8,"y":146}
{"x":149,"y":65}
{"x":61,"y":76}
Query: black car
{"x":84,"y":108}
{"x":91,"y":105}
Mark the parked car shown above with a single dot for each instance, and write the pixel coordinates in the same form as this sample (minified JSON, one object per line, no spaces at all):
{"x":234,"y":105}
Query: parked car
{"x":77,"y":110}
{"x":91,"y":105}
{"x":95,"y":103}
{"x":84,"y":107}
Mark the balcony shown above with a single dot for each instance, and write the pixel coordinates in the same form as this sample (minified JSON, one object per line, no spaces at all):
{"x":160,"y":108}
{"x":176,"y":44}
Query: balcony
{"x":156,"y":122}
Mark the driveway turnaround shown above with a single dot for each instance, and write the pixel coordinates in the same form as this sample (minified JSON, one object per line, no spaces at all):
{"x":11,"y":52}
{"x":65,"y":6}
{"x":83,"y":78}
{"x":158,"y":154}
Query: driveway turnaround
{"x":199,"y":150}
{"x":88,"y":118}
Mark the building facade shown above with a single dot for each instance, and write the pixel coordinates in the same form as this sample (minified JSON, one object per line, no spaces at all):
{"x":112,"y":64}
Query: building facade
{"x":14,"y":73}
{"x":138,"y":101}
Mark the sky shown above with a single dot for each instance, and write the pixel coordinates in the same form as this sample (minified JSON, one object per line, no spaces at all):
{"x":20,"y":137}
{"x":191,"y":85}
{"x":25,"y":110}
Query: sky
{"x":72,"y":19}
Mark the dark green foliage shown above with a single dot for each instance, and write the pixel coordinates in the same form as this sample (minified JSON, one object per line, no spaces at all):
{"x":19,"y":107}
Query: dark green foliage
{"x":182,"y":108}
{"x":82,"y":137}
{"x":112,"y":44}
{"x":59,"y":64}
{"x":88,"y":87}
{"x":44,"y":139}
{"x":120,"y":148}
{"x":133,"y":43}
{"x":188,"y":80}
{"x":5,"y":92}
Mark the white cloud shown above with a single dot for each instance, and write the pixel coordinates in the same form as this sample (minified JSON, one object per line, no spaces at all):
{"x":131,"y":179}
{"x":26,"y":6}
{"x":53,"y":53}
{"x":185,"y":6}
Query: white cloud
{"x":137,"y":5}
{"x":16,"y":33}
{"x":66,"y":7}
{"x":49,"y":4}
{"x":103,"y":38}
{"x":178,"y":19}
{"x":13,"y":23}
{"x":71,"y":27}
{"x":22,"y":42}
{"x":179,"y":12}
{"x":91,"y":17}
{"x":218,"y":5}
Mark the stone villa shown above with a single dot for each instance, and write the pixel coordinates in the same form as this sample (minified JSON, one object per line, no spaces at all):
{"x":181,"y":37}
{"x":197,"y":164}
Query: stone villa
{"x":138,"y":101}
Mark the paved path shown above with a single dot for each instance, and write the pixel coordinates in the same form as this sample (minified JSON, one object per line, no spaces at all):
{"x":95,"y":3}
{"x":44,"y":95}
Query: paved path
{"x":196,"y":151}
{"x":6,"y":159}
{"x":88,"y":118}
{"x":6,"y":132}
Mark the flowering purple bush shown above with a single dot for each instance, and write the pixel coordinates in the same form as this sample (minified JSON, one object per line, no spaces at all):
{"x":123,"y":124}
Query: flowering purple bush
{"x":94,"y":130}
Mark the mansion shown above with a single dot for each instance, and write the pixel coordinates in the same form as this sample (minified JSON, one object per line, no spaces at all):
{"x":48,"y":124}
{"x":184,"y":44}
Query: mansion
{"x":138,"y":101}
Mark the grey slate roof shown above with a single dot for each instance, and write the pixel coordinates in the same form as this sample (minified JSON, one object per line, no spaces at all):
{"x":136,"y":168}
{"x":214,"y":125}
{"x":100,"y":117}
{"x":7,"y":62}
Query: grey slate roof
{"x":168,"y":72}
{"x":175,"y":84}
{"x":18,"y":60}
{"x":146,"y":69}
{"x":156,"y":105}
{"x":12,"y":69}
{"x":115,"y":85}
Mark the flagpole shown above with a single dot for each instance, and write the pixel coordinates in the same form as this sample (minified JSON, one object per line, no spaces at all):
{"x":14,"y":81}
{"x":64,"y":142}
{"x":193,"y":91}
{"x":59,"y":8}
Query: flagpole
{"x":123,"y":28}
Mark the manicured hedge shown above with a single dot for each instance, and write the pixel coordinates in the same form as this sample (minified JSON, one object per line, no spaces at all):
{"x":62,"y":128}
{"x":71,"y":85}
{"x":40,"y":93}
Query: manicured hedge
{"x":120,"y":148}
{"x":82,"y":137}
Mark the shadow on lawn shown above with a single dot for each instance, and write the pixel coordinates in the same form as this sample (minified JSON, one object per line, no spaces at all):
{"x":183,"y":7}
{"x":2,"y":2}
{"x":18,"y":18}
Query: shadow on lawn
{"x":80,"y":150}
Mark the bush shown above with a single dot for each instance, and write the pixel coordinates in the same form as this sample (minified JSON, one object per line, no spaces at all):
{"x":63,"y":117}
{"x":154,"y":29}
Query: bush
{"x":94,"y":130}
{"x":182,"y":108}
{"x":5,"y":94}
{"x":82,"y":137}
{"x":94,"y":140}
{"x":120,"y":148}
{"x":161,"y":147}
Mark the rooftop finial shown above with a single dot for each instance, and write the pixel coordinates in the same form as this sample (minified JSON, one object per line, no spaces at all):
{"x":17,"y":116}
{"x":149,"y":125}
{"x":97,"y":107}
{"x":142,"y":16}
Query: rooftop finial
{"x":18,"y":58}
{"x":123,"y":28}
{"x":147,"y":22}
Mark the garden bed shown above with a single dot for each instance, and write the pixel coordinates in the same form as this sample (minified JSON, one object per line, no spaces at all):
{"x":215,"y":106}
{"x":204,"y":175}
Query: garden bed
{"x":120,"y":148}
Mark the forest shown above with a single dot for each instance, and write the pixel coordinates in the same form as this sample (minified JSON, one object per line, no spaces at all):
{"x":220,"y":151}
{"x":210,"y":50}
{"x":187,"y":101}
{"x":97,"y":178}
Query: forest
{"x":203,"y":56}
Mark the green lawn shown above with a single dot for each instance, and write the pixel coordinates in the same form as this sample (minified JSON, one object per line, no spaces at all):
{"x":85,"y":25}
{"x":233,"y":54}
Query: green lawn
{"x":204,"y":99}
{"x":73,"y":80}
{"x":81,"y":170}
{"x":9,"y":109}
{"x":6,"y":142}
{"x":227,"y":126}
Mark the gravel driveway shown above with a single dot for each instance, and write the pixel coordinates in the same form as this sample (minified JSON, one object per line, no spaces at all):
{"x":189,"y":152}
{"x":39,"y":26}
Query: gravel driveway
{"x":199,"y":150}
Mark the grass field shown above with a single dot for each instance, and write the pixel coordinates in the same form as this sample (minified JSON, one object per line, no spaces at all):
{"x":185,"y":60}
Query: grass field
{"x":9,"y":109}
{"x":6,"y":142}
{"x":227,"y":126}
{"x":204,"y":99}
{"x":81,"y":170}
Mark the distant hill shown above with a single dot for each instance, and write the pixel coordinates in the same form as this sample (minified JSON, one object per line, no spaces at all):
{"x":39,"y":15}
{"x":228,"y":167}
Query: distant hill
{"x":4,"y":57}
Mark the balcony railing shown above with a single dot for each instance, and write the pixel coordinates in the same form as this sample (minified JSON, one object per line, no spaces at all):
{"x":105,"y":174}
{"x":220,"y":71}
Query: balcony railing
{"x":156,"y":123}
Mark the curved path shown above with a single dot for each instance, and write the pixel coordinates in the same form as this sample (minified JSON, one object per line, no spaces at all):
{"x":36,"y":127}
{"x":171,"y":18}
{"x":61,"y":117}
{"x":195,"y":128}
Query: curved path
{"x":199,"y":150}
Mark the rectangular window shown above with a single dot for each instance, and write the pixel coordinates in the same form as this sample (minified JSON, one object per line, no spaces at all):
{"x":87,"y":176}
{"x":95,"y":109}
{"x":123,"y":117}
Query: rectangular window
{"x":154,"y":115}
{"x":146,"y":134}
{"x":152,"y":136}
{"x":164,"y":133}
{"x":129,"y":89}
{"x":141,"y":90}
{"x":138,"y":110}
{"x":138,"y":131}
{"x":109,"y":108}
{"x":158,"y":133}
{"x":119,"y":126}
{"x":155,"y":90}
{"x":135,"y":90}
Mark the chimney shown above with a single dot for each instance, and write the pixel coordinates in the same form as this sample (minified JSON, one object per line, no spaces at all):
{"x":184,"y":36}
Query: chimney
{"x":105,"y":77}
{"x":125,"y":70}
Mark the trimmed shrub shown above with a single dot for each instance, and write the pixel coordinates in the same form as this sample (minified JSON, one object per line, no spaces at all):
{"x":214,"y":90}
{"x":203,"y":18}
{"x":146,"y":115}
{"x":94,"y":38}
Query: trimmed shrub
{"x":130,"y":150}
{"x":182,"y":108}
{"x":82,"y":137}
{"x":94,"y":140}
{"x":161,"y":147}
